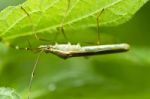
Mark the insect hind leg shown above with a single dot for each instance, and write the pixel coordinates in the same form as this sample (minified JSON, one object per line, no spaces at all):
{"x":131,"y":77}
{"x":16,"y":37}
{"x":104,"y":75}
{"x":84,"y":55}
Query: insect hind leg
{"x":61,"y":28}
{"x":98,"y":25}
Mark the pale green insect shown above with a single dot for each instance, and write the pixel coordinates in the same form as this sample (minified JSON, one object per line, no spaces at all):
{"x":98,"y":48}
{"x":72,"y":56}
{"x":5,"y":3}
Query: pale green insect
{"x":67,"y":50}
{"x":71,"y":50}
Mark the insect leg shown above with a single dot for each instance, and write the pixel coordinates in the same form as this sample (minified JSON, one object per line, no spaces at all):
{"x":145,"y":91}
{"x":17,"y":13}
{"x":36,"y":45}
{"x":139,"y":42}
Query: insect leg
{"x":32,"y":74}
{"x":32,"y":24}
{"x":33,"y":28}
{"x":98,"y":25}
{"x":61,"y":28}
{"x":29,"y":44}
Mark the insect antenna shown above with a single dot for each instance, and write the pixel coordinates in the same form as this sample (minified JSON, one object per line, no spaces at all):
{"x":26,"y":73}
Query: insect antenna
{"x":61,"y":28}
{"x":98,"y":25}
{"x":30,"y":47}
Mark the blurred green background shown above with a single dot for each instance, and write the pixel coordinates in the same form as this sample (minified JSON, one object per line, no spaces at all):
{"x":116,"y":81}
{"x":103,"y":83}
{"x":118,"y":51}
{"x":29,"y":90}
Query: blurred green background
{"x":117,"y":76}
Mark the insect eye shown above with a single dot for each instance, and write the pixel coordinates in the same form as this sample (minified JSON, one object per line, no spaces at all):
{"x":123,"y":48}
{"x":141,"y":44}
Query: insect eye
{"x":49,"y":47}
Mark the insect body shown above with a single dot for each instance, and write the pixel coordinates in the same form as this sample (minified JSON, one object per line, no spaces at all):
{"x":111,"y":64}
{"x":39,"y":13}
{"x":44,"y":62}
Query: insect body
{"x":71,"y":50}
{"x":67,"y":50}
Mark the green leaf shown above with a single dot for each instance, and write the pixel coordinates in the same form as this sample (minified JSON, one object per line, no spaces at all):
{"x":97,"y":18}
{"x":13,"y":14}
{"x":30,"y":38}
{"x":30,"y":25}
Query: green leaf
{"x":5,"y":3}
{"x":47,"y":15}
{"x":118,"y":76}
{"x":3,"y":49}
{"x":7,"y":93}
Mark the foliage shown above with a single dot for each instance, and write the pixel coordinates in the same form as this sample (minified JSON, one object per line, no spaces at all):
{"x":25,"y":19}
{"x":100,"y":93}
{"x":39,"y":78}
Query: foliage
{"x":119,"y":76}
{"x":47,"y":15}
